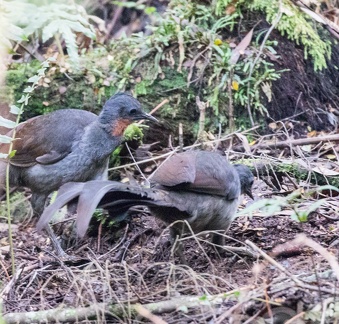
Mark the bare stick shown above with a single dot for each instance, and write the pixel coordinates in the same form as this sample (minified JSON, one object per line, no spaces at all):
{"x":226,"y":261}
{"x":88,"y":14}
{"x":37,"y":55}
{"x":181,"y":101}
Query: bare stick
{"x":83,"y":313}
{"x":181,"y":138}
{"x":297,"y":142}
{"x":301,"y":239}
{"x":155,"y":109}
{"x":261,"y":49}
{"x":202,"y":108}
{"x":224,"y":138}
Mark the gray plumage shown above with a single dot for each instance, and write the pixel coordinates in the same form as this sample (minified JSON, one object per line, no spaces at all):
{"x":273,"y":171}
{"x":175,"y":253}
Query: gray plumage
{"x":67,"y":145}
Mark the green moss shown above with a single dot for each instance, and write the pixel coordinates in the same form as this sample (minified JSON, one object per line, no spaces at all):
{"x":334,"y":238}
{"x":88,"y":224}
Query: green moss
{"x":298,"y":27}
{"x":133,"y":132}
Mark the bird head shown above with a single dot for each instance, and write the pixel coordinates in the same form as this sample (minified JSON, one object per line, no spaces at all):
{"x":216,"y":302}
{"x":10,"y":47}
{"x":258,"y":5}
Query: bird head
{"x":120,"y":111}
{"x":246,"y":179}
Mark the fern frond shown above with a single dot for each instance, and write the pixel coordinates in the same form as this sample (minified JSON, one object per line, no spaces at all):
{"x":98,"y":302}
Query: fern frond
{"x":53,"y":19}
{"x":8,"y":31}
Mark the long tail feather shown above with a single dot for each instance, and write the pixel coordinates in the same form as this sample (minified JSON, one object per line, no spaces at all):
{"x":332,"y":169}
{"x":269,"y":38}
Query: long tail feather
{"x":66,"y":193}
{"x":90,"y":198}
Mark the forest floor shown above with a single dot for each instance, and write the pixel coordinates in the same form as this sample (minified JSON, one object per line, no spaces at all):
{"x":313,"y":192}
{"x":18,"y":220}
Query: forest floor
{"x":287,"y":276}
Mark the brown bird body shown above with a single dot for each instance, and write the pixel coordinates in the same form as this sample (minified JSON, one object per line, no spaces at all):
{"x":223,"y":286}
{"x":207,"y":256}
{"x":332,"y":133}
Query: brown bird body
{"x":199,"y":187}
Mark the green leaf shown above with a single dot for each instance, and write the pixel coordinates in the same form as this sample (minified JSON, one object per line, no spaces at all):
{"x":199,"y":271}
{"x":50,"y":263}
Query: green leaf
{"x":15,"y":110}
{"x":219,"y":50}
{"x":12,"y":154}
{"x":300,"y":216}
{"x":127,"y":4}
{"x":150,"y":10}
{"x":22,"y":99}
{"x":77,"y":27}
{"x":7,"y":123}
{"x":5,"y":139}
{"x":51,"y":29}
{"x":26,"y":99}
{"x":41,"y":72}
{"x":236,"y":293}
{"x":70,"y":40}
{"x":33,"y":79}
{"x":28,"y":89}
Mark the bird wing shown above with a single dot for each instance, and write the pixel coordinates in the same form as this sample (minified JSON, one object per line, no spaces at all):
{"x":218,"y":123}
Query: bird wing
{"x":48,"y":138}
{"x":215,"y":176}
{"x":176,"y":170}
{"x":199,"y":171}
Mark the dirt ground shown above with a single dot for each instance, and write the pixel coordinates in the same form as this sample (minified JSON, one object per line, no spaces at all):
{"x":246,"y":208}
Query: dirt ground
{"x":132,"y":262}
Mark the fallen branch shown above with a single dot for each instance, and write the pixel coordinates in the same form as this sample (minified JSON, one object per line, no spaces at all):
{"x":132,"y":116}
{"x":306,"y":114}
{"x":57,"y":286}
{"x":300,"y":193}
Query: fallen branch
{"x":118,"y":310}
{"x":296,"y":170}
{"x":289,"y":142}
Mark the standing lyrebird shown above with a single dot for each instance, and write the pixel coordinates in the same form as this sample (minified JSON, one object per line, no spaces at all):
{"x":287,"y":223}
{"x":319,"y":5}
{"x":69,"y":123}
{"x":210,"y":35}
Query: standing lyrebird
{"x":67,"y":145}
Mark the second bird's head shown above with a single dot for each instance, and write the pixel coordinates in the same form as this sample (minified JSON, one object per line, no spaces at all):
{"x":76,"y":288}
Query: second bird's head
{"x":120,"y":111}
{"x":246,"y":179}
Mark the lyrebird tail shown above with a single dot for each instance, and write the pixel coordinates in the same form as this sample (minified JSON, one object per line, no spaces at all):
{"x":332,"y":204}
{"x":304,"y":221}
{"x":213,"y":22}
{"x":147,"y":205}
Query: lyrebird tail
{"x":113,"y":196}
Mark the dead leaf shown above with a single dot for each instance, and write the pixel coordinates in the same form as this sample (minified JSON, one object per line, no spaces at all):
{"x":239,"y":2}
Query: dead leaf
{"x":306,"y":148}
{"x":315,"y":16}
{"x":245,"y":143}
{"x":331,"y":156}
{"x":4,"y":249}
{"x":4,"y":228}
{"x":273,"y":126}
{"x":266,"y":88}
{"x":241,"y":47}
{"x":324,"y":171}
{"x":312,"y":133}
{"x":230,"y":10}
{"x":181,"y":50}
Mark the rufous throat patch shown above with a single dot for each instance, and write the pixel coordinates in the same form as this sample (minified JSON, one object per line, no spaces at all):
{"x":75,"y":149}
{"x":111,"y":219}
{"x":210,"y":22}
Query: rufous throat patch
{"x":119,"y":126}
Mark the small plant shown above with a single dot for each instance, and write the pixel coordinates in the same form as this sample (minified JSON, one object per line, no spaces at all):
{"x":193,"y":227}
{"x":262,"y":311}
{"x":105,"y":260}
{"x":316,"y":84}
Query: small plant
{"x":296,"y":26}
{"x":56,"y":20}
{"x":293,"y":200}
{"x":34,"y":82}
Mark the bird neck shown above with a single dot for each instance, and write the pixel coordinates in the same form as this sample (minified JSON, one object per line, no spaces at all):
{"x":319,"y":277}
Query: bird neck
{"x":117,"y":127}
{"x":100,"y":140}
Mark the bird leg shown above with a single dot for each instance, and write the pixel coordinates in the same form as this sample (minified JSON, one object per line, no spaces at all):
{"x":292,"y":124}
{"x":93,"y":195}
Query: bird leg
{"x":176,"y":234}
{"x":56,"y":244}
{"x":218,"y":240}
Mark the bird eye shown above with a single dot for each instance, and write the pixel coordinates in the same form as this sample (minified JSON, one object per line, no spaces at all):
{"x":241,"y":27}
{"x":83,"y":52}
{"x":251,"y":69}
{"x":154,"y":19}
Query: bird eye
{"x":133,"y":111}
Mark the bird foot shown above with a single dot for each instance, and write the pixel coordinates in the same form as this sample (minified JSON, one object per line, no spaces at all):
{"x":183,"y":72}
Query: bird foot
{"x":60,"y":253}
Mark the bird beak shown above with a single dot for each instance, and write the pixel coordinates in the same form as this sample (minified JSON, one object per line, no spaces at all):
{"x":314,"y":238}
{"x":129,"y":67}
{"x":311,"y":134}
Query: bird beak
{"x":248,"y":192}
{"x":148,"y":116}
